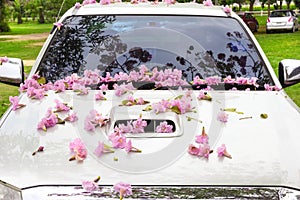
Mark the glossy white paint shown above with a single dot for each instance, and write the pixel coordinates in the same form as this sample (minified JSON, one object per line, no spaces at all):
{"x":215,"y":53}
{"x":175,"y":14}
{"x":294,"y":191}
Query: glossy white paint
{"x":262,"y":149}
{"x":265,"y":151}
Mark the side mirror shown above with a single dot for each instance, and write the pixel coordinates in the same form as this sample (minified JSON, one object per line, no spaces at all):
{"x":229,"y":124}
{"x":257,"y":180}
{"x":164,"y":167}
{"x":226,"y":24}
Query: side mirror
{"x":11,"y":71}
{"x":289,"y":72}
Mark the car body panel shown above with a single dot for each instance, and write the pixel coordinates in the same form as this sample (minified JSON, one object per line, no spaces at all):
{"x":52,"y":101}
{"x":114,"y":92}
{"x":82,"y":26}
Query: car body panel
{"x":260,"y":157}
{"x":260,"y":145}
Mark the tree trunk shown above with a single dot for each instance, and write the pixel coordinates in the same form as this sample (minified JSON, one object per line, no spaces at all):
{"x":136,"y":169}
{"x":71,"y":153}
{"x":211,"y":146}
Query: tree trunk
{"x":41,"y":16}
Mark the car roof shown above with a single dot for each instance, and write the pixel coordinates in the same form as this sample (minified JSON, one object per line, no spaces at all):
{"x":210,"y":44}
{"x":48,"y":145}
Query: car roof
{"x":149,"y":8}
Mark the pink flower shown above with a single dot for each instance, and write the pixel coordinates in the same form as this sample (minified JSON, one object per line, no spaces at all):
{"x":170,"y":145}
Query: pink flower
{"x":91,"y":186}
{"x":94,"y":119}
{"x":3,"y":60}
{"x":34,"y":93}
{"x":78,"y":149}
{"x":228,"y":79}
{"x":130,"y":148}
{"x":60,"y":107}
{"x":164,"y":127}
{"x":203,"y":138}
{"x":88,"y":125}
{"x":49,"y":121}
{"x":71,"y":117}
{"x":207,"y":3}
{"x":160,"y":107}
{"x":103,"y":87}
{"x":213,"y":80}
{"x":122,"y":89}
{"x":204,"y":96}
{"x":77,"y":5}
{"x":59,"y":86}
{"x":204,"y":151}
{"x":124,"y":189}
{"x":102,"y":148}
{"x":139,"y":125}
{"x":226,"y":9}
{"x":15,"y":102}
{"x":223,"y":152}
{"x":198,"y":81}
{"x":99,"y":96}
{"x":193,"y":150}
{"x":40,"y":149}
{"x":169,"y":1}
{"x":58,"y":25}
{"x":223,"y":117}
{"x":118,"y":141}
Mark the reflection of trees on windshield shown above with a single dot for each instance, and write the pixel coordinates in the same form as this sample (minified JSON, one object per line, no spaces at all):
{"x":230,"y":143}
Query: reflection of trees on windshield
{"x":125,"y":63}
{"x":239,"y":63}
{"x":66,"y":52}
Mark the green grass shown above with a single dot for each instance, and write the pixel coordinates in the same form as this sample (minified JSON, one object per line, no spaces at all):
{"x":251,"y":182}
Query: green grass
{"x":28,"y":28}
{"x":279,"y":46}
{"x":27,"y":50}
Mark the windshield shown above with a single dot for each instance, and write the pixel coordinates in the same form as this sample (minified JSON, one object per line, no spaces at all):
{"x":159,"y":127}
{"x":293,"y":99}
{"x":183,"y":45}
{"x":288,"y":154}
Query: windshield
{"x":198,"y":47}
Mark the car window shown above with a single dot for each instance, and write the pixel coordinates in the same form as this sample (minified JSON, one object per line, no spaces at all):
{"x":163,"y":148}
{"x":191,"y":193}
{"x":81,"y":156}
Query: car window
{"x":198,"y":46}
{"x":280,"y":14}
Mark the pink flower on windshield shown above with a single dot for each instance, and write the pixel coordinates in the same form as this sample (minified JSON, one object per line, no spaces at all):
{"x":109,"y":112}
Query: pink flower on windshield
{"x":223,"y":152}
{"x":164,"y":127}
{"x":207,"y":3}
{"x":198,"y":81}
{"x":203,"y":138}
{"x":58,"y":25}
{"x":59,"y":86}
{"x":223,"y":117}
{"x":103,"y":87}
{"x":78,"y":150}
{"x":15,"y":102}
{"x":124,"y":189}
{"x":123,"y":88}
{"x":213,"y":80}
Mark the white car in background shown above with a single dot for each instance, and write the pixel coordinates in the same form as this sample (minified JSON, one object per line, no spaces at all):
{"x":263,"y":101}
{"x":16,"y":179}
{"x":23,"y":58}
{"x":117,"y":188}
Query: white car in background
{"x":282,"y":20}
{"x":151,"y":101}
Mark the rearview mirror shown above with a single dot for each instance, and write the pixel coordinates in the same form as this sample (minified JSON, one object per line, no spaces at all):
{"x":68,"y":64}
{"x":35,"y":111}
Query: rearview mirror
{"x":11,"y":71}
{"x":289,"y":72}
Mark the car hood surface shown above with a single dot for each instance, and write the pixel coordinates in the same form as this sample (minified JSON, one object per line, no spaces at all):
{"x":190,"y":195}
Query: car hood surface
{"x":264,"y":149}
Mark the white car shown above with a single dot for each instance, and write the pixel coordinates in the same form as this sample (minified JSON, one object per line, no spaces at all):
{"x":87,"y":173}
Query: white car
{"x":149,"y":100}
{"x":282,"y":20}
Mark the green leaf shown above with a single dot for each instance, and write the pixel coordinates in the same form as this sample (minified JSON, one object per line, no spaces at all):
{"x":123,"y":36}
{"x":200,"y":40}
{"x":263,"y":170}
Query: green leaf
{"x":41,"y":80}
{"x":176,"y":110}
{"x":230,"y":109}
{"x":264,"y":115}
{"x":148,"y":108}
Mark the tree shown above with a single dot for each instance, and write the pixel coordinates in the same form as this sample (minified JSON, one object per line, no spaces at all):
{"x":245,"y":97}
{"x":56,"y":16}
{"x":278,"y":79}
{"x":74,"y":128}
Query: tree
{"x":3,"y":24}
{"x":297,"y":3}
